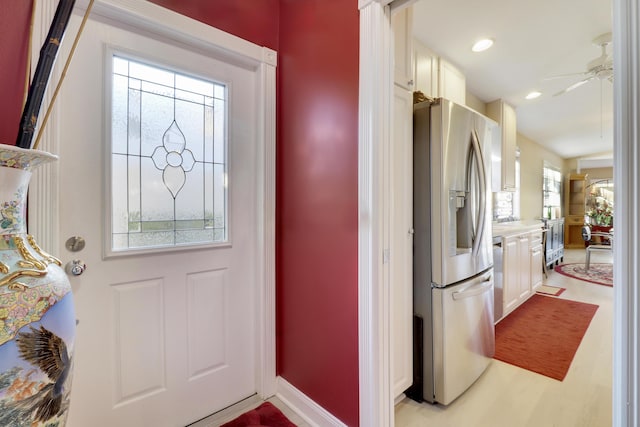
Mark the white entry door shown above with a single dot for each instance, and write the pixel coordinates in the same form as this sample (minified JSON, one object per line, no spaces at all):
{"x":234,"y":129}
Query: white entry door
{"x":167,"y":328}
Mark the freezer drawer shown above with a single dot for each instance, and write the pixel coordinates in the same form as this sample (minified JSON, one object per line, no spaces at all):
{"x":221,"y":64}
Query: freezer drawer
{"x":463,"y":335}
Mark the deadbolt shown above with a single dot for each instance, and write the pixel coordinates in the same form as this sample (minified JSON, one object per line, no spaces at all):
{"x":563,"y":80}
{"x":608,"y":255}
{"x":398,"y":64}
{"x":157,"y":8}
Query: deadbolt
{"x":75,"y":244}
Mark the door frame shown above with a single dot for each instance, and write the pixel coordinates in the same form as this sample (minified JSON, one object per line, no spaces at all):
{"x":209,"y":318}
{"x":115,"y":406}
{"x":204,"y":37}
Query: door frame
{"x":44,"y":189}
{"x":374,"y":143}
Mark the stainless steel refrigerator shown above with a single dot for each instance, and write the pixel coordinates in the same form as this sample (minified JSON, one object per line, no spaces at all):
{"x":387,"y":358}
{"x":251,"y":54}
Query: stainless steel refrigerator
{"x":454,"y":337}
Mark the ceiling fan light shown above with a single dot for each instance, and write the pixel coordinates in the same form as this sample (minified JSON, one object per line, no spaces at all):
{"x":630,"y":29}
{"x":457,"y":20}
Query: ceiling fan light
{"x":482,"y":45}
{"x":533,"y":94}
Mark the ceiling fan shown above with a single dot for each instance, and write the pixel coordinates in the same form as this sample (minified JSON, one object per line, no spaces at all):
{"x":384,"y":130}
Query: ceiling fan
{"x":600,"y":68}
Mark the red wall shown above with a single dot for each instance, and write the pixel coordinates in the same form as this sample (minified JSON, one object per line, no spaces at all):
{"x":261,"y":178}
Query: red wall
{"x":317,"y":200}
{"x":253,"y":20}
{"x":15,"y":18}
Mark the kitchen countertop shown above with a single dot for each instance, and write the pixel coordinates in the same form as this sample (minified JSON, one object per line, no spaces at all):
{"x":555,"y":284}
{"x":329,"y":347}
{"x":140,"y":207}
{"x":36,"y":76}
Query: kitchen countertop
{"x":506,"y":229}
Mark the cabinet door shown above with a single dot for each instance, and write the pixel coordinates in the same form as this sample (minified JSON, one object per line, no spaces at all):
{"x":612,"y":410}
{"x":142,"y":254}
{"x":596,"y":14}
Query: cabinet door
{"x":401,"y":241}
{"x":511,"y":283}
{"x":503,"y":171}
{"x":560,"y":251}
{"x":524,"y":267}
{"x":401,"y":24}
{"x":549,"y":246}
{"x":509,"y":147}
{"x":536,"y":267}
{"x":452,"y":84}
{"x":426,"y":70}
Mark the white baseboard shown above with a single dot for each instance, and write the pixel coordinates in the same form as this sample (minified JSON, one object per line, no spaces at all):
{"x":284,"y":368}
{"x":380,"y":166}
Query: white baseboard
{"x":312,"y":413}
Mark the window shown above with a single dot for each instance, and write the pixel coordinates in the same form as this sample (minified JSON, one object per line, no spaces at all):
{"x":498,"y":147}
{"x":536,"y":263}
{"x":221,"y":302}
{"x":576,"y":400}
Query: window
{"x":168,"y":158}
{"x":551,"y":192}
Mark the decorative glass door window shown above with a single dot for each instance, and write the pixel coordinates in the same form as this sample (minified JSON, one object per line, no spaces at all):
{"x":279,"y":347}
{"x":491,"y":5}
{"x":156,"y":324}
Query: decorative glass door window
{"x":168,"y":158}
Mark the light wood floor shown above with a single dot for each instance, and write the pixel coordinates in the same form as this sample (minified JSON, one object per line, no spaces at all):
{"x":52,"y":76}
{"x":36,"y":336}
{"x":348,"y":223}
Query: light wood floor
{"x":508,"y":396}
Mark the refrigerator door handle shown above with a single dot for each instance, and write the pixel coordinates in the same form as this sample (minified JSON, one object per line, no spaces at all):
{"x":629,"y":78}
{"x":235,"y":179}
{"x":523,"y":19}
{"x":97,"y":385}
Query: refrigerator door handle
{"x":474,"y":290}
{"x":482,"y":207}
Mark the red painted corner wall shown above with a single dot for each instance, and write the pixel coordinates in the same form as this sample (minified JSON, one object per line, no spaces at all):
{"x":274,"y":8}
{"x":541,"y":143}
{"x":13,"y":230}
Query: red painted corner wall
{"x":317,"y":202}
{"x":256,"y":20}
{"x":15,"y":19}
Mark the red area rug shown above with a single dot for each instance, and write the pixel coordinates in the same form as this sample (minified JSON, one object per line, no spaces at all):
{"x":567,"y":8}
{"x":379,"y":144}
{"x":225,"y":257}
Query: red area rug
{"x":265,"y":415}
{"x":602,"y":274}
{"x":543,"y":334}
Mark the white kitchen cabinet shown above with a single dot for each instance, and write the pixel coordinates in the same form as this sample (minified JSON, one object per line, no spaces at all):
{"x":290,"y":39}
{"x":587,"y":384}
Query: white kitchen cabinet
{"x":510,"y":278}
{"x":524,"y":267}
{"x":436,"y":77}
{"x":401,"y":241}
{"x":503,"y":153}
{"x":521,"y":268}
{"x":426,"y":69}
{"x":452,"y":84}
{"x":402,"y":26}
{"x":536,"y":255}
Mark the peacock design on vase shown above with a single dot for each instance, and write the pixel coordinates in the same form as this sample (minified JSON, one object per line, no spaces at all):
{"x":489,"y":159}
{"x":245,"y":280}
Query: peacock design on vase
{"x":37,"y":316}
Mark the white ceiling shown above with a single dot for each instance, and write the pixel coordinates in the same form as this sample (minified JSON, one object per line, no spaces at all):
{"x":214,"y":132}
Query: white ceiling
{"x":533,"y":40}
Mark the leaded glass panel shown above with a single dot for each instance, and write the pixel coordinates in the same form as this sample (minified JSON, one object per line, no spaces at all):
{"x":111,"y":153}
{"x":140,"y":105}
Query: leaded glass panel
{"x":168,"y":158}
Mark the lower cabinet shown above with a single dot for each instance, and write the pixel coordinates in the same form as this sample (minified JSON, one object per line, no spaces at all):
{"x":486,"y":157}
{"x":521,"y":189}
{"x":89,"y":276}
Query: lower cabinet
{"x":401,"y":242}
{"x":521,"y":268}
{"x":511,"y":277}
{"x":517,"y":280}
{"x":524,"y":267}
{"x":536,"y":257}
{"x":554,"y":249}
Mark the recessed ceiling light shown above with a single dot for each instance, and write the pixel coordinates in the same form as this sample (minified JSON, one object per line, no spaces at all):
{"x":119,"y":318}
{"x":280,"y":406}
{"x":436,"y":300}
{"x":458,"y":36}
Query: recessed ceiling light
{"x":533,"y":95}
{"x":481,"y":45}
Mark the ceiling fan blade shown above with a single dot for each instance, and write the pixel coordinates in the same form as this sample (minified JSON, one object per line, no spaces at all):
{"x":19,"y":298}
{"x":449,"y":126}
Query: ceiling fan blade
{"x":574,"y":86}
{"x":562,"y":76}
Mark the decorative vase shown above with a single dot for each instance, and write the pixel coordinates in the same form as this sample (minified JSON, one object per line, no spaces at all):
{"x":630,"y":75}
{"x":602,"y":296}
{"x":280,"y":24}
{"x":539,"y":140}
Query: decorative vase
{"x":37,"y":317}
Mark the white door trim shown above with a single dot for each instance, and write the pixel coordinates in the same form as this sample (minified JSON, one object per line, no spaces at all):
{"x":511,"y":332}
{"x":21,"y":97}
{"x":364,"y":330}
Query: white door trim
{"x":376,"y":81}
{"x":43,"y":194}
{"x":626,"y":163}
{"x":375,"y":97}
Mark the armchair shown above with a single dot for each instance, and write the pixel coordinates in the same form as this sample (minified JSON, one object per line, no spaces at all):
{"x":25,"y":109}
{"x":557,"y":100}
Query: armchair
{"x":587,"y":235}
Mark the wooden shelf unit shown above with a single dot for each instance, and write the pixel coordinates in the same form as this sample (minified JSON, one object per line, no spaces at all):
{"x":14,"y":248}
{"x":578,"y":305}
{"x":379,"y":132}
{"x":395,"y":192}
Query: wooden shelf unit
{"x":574,"y":206}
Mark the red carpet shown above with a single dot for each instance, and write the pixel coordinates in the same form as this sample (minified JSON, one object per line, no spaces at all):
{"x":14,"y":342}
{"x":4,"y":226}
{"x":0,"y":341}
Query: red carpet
{"x":543,"y":334}
{"x":265,"y":415}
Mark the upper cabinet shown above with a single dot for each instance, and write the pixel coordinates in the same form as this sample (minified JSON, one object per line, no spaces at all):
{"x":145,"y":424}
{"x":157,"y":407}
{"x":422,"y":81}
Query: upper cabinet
{"x":451,"y":82}
{"x":504,"y":152}
{"x":402,"y":24}
{"x":426,"y":69}
{"x":436,"y":77}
